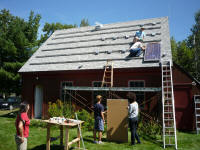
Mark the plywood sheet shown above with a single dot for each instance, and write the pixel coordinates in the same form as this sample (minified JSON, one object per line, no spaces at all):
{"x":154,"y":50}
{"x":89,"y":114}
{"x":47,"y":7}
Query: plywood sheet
{"x":117,"y":120}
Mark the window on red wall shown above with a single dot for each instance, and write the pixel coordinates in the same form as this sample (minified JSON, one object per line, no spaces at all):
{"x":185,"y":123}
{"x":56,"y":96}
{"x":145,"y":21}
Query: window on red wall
{"x":65,"y":97}
{"x":139,"y":95}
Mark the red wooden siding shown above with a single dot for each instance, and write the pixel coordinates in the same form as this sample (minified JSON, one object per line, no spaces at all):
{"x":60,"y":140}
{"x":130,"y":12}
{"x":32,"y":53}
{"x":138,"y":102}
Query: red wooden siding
{"x":51,"y":83}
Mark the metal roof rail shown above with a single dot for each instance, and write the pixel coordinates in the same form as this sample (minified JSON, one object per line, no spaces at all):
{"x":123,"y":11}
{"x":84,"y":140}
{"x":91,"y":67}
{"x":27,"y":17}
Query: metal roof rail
{"x":96,"y":52}
{"x":126,"y":37}
{"x":109,"y":52}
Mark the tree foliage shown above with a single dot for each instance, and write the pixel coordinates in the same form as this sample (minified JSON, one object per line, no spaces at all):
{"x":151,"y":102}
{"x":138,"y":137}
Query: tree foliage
{"x":84,"y":23}
{"x":17,"y":39}
{"x":48,"y":29}
{"x":186,"y":53}
{"x":183,"y":55}
{"x":194,"y":43}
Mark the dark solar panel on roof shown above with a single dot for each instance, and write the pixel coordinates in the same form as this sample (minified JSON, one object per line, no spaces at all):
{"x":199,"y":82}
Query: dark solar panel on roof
{"x":152,"y":52}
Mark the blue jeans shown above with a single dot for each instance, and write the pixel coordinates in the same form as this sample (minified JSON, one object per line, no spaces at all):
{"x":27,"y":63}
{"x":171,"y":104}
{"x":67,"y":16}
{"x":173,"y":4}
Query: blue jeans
{"x":133,"y":122}
{"x":135,"y":52}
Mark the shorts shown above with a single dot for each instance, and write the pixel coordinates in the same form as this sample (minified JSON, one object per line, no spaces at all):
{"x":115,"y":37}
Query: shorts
{"x":98,"y":124}
{"x":20,"y":145}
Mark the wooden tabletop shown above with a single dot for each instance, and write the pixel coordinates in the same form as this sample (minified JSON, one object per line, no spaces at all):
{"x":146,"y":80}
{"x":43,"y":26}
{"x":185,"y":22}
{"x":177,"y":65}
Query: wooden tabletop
{"x":64,"y":123}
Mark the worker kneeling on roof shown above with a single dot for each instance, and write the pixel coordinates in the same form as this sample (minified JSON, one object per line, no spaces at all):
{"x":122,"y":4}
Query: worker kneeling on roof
{"x":137,"y":49}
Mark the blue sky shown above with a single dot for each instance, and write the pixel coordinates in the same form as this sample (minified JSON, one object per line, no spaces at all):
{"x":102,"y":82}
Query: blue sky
{"x":180,"y":12}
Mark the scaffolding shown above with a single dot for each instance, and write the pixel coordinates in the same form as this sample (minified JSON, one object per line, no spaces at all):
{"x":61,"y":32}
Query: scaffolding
{"x":107,"y":86}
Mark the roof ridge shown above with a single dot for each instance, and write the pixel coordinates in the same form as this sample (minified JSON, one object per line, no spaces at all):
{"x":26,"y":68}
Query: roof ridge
{"x":130,"y":21}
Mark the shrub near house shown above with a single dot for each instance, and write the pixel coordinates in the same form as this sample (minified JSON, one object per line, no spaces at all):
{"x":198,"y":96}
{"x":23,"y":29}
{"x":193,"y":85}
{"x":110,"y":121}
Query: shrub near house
{"x":60,"y":109}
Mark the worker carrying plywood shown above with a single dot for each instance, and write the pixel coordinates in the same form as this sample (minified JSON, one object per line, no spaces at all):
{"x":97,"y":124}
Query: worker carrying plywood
{"x":99,"y":119}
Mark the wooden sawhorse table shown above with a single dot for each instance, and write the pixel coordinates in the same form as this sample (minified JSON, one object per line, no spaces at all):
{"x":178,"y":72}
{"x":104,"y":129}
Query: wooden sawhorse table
{"x":67,"y":126}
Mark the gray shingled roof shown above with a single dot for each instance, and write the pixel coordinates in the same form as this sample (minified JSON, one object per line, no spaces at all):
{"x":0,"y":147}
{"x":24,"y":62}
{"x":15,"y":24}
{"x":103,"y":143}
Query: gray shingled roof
{"x":86,"y":48}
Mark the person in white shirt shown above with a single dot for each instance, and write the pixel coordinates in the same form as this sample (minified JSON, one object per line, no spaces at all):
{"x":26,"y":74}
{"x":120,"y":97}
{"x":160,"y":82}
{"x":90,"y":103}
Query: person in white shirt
{"x":136,"y":49}
{"x":133,"y":112}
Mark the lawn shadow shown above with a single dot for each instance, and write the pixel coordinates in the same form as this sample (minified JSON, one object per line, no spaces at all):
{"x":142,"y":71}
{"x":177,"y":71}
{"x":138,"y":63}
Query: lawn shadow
{"x":43,"y":147}
{"x":152,"y":140}
{"x":188,"y":132}
{"x":12,"y":114}
{"x":53,"y":147}
{"x":90,"y":139}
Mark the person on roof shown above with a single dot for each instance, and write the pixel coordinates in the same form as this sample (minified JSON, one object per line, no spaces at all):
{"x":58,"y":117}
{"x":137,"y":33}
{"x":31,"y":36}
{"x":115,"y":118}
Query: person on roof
{"x":139,"y":35}
{"x":137,"y":49}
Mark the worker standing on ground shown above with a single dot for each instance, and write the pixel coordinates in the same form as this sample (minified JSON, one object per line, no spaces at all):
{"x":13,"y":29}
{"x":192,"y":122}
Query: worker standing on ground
{"x":99,"y":119}
{"x":133,"y":112}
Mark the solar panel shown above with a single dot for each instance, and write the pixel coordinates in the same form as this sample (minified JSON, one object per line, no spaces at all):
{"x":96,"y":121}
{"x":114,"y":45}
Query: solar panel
{"x":152,"y":52}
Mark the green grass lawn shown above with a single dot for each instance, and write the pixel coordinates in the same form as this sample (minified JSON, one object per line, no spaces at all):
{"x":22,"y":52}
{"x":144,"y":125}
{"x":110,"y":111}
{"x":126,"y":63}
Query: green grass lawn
{"x":37,"y":138}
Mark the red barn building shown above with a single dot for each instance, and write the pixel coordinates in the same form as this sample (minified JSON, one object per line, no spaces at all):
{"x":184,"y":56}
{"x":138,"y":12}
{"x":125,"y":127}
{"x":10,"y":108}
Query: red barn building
{"x":76,"y":57}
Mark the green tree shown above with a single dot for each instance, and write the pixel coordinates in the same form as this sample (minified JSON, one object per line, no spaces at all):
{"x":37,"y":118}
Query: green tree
{"x":183,"y":55}
{"x":48,"y":29}
{"x":194,"y":43}
{"x":174,"y":49}
{"x":84,"y":23}
{"x":187,"y":52}
{"x":17,"y":40}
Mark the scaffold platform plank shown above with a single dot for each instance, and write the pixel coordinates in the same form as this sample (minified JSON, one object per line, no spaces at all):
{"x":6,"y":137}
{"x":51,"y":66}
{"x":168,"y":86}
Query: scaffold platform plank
{"x":125,"y":89}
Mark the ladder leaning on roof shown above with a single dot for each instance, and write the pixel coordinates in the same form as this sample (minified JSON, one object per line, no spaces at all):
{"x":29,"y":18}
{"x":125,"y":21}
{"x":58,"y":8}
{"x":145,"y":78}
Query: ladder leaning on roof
{"x":197,"y":112}
{"x":108,"y":75}
{"x":169,"y":121}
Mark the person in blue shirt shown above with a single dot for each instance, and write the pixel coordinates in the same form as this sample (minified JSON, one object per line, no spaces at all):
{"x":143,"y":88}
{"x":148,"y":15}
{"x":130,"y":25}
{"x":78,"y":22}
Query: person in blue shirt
{"x":99,"y":119}
{"x":139,"y":35}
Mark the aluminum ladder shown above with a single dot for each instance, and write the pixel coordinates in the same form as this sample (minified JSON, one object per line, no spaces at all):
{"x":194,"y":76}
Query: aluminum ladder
{"x":108,"y":75}
{"x":197,"y":112}
{"x":169,"y":121}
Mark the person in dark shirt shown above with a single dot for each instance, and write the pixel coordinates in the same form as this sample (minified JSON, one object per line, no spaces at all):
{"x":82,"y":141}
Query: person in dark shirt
{"x":99,"y":119}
